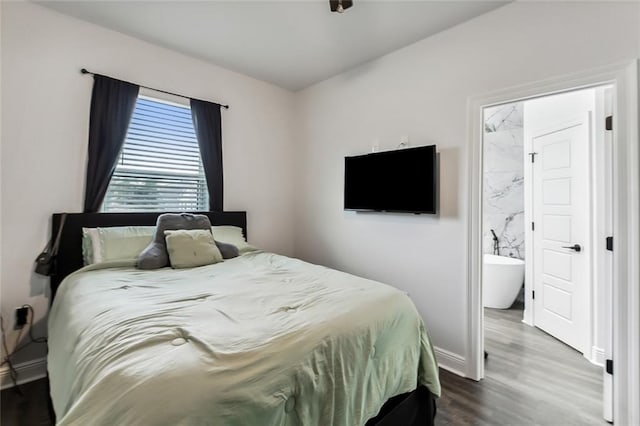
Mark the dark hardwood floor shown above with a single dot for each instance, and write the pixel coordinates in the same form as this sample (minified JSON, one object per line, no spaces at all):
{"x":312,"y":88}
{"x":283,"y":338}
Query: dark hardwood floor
{"x":531,"y":379}
{"x":27,"y":409}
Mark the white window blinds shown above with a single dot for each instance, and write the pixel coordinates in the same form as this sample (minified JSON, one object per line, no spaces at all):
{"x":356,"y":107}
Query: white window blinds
{"x":159,"y":168}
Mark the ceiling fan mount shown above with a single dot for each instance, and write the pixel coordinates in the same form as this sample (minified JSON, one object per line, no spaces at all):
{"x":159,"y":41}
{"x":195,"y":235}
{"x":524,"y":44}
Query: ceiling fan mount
{"x":340,"y":5}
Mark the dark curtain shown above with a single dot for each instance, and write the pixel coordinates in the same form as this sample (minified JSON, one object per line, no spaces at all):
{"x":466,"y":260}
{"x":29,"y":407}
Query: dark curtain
{"x":112,"y":105}
{"x":208,"y":126}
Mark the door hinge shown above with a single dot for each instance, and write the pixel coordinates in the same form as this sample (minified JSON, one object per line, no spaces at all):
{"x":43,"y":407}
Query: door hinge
{"x":609,"y":366}
{"x":533,"y":294}
{"x":610,"y":243}
{"x":533,"y":156}
{"x":533,"y":226}
{"x":608,"y":122}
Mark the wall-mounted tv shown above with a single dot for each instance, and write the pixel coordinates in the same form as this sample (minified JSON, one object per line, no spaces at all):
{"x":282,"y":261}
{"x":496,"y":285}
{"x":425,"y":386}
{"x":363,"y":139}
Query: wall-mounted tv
{"x":403,"y":180}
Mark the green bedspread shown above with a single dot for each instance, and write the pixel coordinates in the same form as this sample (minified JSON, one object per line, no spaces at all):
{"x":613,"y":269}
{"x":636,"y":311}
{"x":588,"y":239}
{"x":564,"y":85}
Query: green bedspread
{"x":261,"y":339}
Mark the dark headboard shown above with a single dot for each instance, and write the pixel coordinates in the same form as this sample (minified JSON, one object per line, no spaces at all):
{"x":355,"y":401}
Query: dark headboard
{"x":70,"y":252}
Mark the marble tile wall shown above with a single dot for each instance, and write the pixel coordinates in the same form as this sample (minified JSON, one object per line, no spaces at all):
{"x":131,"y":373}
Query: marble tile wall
{"x":503,"y":196}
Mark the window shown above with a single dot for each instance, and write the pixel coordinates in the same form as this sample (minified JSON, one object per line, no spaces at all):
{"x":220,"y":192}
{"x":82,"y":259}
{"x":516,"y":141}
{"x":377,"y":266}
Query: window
{"x":159,"y":168}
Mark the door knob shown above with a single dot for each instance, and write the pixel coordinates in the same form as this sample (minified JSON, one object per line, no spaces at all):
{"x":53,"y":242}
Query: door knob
{"x":575,"y":247}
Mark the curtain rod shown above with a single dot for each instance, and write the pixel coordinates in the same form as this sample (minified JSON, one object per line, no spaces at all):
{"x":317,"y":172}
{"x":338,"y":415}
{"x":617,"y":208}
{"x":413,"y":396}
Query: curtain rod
{"x":85,"y":71}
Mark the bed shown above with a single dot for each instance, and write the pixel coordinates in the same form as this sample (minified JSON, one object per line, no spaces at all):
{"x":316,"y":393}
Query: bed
{"x":261,"y":339}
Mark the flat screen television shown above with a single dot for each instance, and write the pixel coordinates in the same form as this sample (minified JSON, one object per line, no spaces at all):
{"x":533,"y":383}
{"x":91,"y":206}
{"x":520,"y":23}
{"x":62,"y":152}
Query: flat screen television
{"x":403,"y":180}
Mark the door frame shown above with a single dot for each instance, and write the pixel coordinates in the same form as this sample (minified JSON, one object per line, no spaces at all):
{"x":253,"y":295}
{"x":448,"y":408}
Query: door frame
{"x":626,"y":224}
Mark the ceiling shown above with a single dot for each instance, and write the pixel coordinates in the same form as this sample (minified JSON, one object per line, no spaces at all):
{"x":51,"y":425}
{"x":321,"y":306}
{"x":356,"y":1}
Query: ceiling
{"x":292,"y":44}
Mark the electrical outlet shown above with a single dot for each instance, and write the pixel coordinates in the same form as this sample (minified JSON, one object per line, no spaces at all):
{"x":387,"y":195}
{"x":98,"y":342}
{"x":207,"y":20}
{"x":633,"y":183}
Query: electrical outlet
{"x":21,"y":317}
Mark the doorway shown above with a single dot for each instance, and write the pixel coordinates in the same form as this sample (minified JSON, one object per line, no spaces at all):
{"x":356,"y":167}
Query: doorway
{"x":626,"y":225}
{"x":546,"y":179}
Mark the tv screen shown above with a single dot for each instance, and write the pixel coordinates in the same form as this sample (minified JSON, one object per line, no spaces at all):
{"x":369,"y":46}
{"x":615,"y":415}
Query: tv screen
{"x":393,"y":181}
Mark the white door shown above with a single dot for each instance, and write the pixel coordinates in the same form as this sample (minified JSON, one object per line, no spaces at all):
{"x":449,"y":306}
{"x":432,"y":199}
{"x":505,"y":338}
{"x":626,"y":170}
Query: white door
{"x":561,"y":272}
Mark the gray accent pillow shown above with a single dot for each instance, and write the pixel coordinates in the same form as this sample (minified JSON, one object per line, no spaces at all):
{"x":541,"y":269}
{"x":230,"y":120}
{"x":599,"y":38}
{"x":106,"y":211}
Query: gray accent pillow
{"x":155,"y":255}
{"x":229,"y":251}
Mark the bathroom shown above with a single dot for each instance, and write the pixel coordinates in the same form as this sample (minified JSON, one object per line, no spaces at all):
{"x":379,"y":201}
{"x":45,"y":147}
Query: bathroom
{"x":503,"y":206}
{"x":545,"y":215}
{"x":546,"y":271}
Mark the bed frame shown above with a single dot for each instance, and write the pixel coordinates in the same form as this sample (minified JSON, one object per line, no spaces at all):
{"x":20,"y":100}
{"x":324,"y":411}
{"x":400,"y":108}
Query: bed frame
{"x":69,"y":257}
{"x":409,"y":409}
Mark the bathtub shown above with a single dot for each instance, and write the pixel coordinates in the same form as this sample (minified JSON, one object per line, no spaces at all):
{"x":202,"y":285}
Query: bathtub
{"x":502,"y":278}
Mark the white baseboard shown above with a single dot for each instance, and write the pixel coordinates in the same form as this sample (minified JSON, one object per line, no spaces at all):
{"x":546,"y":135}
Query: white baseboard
{"x":451,"y":362}
{"x":27,"y":372}
{"x":597,"y":356}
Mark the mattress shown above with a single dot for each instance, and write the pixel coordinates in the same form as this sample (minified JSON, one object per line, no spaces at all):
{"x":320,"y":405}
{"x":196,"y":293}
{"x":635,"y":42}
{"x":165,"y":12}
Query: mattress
{"x":261,"y":339}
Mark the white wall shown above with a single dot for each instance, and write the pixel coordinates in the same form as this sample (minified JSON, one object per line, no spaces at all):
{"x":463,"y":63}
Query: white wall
{"x":45,"y":111}
{"x":423,"y":90}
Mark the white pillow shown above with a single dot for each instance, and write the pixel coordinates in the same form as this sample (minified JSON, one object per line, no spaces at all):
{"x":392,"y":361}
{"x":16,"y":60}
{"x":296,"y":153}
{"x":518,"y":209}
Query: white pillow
{"x":115,"y":243}
{"x":189,"y":248}
{"x":90,"y":240}
{"x":232,"y":235}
